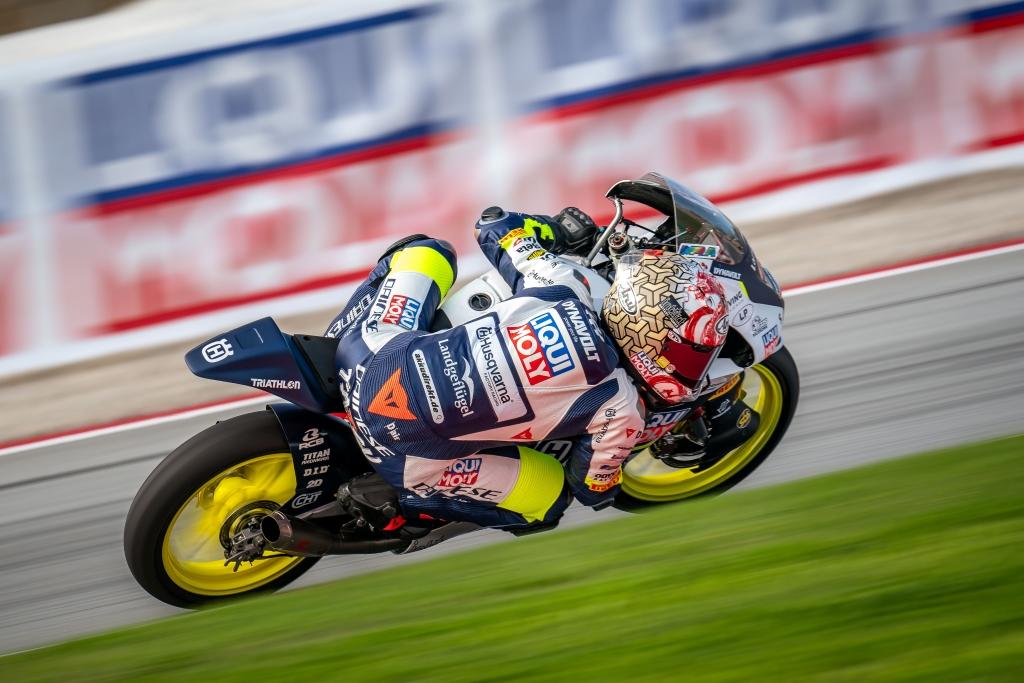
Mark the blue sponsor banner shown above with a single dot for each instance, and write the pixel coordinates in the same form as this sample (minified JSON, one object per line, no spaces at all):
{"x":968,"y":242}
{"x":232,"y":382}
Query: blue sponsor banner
{"x":563,"y":52}
{"x":194,"y":119}
{"x":202,"y":117}
{"x":7,"y":194}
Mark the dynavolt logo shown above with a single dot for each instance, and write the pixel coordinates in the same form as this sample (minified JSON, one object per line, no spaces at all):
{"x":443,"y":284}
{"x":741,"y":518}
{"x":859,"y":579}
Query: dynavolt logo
{"x":541,"y":348}
{"x":725,"y":272}
{"x":583,"y":336}
{"x":401,"y":310}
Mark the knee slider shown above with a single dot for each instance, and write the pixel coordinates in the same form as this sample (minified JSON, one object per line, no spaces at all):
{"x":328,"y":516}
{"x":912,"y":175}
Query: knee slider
{"x":431,"y":257}
{"x":538,"y":491}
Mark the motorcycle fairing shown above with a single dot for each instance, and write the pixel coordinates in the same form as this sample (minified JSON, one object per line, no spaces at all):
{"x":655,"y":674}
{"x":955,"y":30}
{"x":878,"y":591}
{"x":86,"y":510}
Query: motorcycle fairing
{"x":754,"y":298}
{"x":324,"y":453}
{"x":259,"y":355}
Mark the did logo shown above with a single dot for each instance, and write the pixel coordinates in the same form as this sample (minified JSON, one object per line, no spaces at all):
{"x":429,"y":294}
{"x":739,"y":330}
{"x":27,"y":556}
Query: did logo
{"x":540,"y":346}
{"x":402,"y":311}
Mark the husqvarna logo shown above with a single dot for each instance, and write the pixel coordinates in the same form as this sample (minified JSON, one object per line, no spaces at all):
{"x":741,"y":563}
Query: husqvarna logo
{"x":217,"y":351}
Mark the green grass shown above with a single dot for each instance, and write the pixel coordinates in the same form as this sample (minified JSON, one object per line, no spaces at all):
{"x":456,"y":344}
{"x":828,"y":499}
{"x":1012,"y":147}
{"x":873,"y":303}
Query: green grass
{"x":911,"y":570}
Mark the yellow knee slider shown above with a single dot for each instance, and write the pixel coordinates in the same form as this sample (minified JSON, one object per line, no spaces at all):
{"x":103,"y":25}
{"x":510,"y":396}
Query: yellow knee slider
{"x":427,"y":261}
{"x":538,"y":486}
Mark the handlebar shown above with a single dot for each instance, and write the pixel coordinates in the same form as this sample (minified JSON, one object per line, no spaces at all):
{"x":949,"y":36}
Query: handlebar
{"x":607,"y":232}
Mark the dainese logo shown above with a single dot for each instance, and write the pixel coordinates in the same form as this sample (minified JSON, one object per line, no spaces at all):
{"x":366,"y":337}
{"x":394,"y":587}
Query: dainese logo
{"x":541,"y":348}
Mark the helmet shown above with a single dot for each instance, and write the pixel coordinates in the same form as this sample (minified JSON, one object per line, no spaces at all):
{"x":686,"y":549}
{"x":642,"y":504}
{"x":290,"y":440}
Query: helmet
{"x":667,"y":314}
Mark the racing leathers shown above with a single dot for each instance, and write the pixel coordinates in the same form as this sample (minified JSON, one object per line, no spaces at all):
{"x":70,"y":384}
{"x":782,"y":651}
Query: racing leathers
{"x":449,"y":418}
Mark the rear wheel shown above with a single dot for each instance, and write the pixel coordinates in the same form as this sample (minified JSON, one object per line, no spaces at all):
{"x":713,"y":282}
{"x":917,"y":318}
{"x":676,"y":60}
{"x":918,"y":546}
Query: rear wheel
{"x":204,"y":492}
{"x":772,"y":389}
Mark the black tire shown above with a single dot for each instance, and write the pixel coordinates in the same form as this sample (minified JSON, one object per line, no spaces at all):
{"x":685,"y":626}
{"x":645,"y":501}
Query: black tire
{"x":175,"y":480}
{"x":782,"y":365}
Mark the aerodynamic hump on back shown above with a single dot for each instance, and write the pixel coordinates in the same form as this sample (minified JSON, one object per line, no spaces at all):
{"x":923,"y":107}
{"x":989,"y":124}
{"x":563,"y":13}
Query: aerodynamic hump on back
{"x":260,"y":355}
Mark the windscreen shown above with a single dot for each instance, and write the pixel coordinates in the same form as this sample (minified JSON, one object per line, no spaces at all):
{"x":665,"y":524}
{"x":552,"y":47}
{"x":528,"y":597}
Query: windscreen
{"x":689,"y":216}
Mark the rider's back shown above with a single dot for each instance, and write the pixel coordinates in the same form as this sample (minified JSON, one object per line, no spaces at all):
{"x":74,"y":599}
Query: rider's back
{"x":516,"y":374}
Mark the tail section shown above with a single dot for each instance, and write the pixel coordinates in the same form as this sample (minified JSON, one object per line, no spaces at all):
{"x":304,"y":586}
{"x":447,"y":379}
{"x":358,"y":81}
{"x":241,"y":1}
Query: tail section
{"x":299,"y":369}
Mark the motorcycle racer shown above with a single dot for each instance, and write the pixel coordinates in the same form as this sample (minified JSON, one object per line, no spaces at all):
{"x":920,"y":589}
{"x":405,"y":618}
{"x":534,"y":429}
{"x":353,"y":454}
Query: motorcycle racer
{"x":448,"y":418}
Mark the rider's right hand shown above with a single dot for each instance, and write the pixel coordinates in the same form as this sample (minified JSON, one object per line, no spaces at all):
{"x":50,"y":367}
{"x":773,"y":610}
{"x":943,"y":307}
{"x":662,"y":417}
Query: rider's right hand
{"x":495,"y":223}
{"x":570,"y":231}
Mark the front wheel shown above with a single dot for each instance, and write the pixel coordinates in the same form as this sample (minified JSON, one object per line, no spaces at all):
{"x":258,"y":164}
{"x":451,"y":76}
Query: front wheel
{"x":200,"y":495}
{"x":772,"y":389}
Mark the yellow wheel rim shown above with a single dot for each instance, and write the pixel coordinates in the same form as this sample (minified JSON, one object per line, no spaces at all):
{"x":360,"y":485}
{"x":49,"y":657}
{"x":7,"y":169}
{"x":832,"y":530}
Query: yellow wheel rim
{"x":646,"y":478}
{"x":192,"y":551}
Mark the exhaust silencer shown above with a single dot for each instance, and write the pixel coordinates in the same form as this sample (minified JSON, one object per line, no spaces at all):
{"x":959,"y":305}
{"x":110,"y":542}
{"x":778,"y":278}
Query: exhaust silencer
{"x":299,"y":537}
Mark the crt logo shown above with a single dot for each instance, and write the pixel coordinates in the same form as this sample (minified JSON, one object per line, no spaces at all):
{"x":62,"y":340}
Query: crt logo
{"x":402,"y":311}
{"x":541,"y":348}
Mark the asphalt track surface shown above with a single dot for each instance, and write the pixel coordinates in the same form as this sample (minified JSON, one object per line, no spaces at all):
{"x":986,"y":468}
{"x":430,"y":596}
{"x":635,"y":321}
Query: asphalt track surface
{"x":890,"y":366}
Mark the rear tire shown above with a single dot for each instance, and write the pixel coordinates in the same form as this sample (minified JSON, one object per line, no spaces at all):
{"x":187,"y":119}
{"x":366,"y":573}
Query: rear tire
{"x":175,"y":481}
{"x":782,"y":366}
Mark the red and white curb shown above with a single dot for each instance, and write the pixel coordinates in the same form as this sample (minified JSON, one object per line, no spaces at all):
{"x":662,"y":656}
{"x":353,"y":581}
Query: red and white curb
{"x":188,"y":412}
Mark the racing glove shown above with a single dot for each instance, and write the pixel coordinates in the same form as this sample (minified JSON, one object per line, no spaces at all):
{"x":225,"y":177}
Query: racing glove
{"x":571,"y":230}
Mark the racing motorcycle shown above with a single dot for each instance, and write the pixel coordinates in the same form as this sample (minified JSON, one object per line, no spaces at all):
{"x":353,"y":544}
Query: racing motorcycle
{"x":252,"y":502}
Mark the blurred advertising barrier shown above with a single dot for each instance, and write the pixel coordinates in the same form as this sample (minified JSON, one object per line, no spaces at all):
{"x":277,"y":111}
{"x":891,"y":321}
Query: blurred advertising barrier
{"x":14,"y":252}
{"x":250,"y":171}
{"x":190,"y":176}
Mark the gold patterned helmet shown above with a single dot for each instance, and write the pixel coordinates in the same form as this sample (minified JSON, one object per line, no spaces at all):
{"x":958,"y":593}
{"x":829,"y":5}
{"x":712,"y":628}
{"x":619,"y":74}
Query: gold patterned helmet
{"x":668,"y":315}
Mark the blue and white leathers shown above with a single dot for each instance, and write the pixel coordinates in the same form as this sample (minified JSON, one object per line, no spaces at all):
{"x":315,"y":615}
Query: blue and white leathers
{"x":448,"y":417}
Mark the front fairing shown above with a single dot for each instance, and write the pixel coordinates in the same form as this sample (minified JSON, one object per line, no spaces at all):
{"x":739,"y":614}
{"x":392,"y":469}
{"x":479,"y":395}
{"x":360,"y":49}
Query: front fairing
{"x":701,"y":231}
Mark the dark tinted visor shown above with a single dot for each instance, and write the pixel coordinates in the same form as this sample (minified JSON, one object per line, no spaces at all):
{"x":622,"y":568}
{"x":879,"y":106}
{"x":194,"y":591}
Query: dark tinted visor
{"x":690,"y":361}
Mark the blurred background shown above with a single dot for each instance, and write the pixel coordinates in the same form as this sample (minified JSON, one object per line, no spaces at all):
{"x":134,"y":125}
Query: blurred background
{"x":170,"y":169}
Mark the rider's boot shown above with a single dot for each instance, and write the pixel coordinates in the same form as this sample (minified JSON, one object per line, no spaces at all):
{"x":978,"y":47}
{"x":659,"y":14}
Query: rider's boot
{"x":372,"y":502}
{"x":375,"y":507}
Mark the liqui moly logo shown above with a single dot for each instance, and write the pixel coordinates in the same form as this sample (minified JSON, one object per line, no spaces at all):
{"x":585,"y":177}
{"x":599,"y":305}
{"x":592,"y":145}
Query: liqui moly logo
{"x":402,"y":311}
{"x":462,"y":472}
{"x":540,"y":345}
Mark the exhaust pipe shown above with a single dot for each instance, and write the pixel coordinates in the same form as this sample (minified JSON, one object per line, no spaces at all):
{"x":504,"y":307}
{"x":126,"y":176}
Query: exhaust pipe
{"x":299,"y":537}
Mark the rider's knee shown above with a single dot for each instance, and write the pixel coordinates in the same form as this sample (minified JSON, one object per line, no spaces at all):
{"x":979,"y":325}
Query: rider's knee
{"x":540,"y":492}
{"x":429,"y":256}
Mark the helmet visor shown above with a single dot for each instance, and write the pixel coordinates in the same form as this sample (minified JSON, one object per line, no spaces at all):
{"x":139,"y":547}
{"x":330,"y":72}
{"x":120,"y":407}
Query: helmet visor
{"x":688,"y":364}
